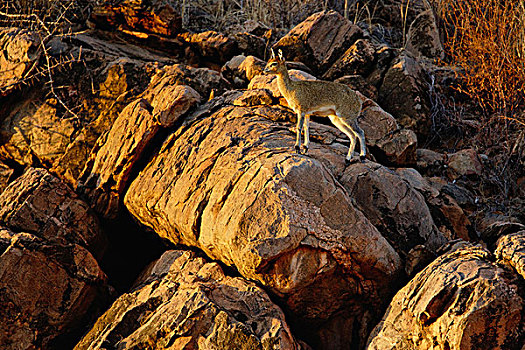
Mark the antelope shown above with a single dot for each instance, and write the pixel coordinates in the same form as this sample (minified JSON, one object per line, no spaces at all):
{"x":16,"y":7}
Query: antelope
{"x":321,"y":98}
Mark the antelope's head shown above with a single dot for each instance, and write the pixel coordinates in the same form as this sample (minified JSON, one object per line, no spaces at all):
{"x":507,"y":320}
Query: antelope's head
{"x":275,"y":64}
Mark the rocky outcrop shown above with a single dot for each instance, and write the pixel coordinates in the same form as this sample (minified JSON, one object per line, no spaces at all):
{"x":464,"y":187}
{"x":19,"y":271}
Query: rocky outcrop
{"x":319,"y":40}
{"x":211,"y":46}
{"x":358,"y":59}
{"x":49,"y":290}
{"x":510,"y":250}
{"x":228,"y":185}
{"x":112,"y":159}
{"x":42,"y":205}
{"x":137,"y":16}
{"x":241,"y":69}
{"x":464,"y":163}
{"x":393,"y":206}
{"x":183,"y":302}
{"x":463,"y":300}
{"x":19,"y":54}
{"x":404,"y":94}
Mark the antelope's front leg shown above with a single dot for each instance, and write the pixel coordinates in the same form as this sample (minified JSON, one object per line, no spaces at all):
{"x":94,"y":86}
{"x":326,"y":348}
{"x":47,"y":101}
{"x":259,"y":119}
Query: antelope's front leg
{"x":298,"y":131}
{"x":306,"y":143}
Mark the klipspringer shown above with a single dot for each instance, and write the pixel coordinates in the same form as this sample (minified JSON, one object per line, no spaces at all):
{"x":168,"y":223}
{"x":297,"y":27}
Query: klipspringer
{"x":321,"y":98}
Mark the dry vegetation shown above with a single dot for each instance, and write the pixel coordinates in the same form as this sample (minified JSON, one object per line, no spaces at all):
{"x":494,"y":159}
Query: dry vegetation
{"x":487,"y":40}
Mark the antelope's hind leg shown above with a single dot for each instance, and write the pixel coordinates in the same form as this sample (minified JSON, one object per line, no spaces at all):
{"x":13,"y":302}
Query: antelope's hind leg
{"x":338,"y":122}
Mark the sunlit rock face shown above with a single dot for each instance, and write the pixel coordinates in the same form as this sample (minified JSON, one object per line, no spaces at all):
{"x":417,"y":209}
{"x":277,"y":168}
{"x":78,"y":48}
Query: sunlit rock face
{"x":228,"y":184}
{"x":181,"y":301}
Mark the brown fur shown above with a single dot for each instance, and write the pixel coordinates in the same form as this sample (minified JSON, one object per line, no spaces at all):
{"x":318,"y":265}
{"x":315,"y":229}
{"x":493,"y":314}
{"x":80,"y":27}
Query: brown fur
{"x":322,"y":98}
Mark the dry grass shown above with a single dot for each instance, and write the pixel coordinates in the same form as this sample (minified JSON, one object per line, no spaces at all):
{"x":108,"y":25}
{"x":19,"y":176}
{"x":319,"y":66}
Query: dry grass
{"x":486,"y":38}
{"x":221,"y":14}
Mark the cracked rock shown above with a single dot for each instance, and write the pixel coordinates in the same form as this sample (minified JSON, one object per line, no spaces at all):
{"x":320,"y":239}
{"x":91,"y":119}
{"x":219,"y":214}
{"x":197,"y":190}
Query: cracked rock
{"x":183,"y":302}
{"x":463,"y":300}
{"x":229,"y":185}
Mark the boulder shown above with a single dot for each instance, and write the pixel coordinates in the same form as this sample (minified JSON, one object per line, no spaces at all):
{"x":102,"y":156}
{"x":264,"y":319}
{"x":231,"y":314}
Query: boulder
{"x":358,"y":59}
{"x":50,"y":290}
{"x":398,"y":148}
{"x":449,"y":217}
{"x":358,"y":83}
{"x":42,"y":205}
{"x":386,"y":140}
{"x":464,"y":163}
{"x":211,"y":46}
{"x":203,"y":80}
{"x":510,"y":250}
{"x":19,"y":54}
{"x":241,"y":69}
{"x":229,"y":185}
{"x":35,"y":133}
{"x":463,"y":300}
{"x":404,"y":94}
{"x":392,"y":205}
{"x":319,"y":40}
{"x":106,"y":173}
{"x":423,"y":38}
{"x":183,"y":302}
{"x":137,"y":16}
{"x":429,"y":162}
{"x":249,"y":44}
{"x":6,"y":173}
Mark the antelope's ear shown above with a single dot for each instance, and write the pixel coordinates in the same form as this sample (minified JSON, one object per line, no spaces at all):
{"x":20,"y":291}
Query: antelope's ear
{"x":280,"y":53}
{"x":272,"y":54}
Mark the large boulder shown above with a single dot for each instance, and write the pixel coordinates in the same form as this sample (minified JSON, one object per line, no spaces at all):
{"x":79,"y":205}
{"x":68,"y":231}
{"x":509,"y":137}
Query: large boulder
{"x":19,"y":54}
{"x":228,"y":184}
{"x":41,"y":204}
{"x":423,"y":38}
{"x":211,"y":46}
{"x":510,"y":250}
{"x":319,"y":40}
{"x":404,"y":93}
{"x":203,"y":80}
{"x":50,"y":290}
{"x":107,"y":171}
{"x":358,"y":59}
{"x":393,"y":205}
{"x":183,"y":302}
{"x":463,"y":300}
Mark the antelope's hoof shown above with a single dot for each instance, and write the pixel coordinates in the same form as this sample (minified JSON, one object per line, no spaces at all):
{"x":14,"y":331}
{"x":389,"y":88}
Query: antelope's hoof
{"x":362,"y":159}
{"x":305,"y":149}
{"x":350,"y":161}
{"x":297,"y":149}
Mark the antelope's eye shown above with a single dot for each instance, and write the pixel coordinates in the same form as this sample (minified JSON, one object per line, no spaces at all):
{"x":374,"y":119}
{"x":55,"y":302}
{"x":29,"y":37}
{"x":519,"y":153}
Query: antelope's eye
{"x":273,"y":64}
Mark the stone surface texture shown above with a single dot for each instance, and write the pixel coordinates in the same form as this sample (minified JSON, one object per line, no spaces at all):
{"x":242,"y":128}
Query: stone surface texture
{"x":462,"y":300}
{"x":319,"y":40}
{"x":183,"y":302}
{"x":228,"y":185}
{"x":41,"y":204}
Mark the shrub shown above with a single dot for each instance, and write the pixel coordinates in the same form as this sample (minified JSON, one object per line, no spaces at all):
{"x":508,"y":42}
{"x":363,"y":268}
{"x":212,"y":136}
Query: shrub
{"x":486,"y":39}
